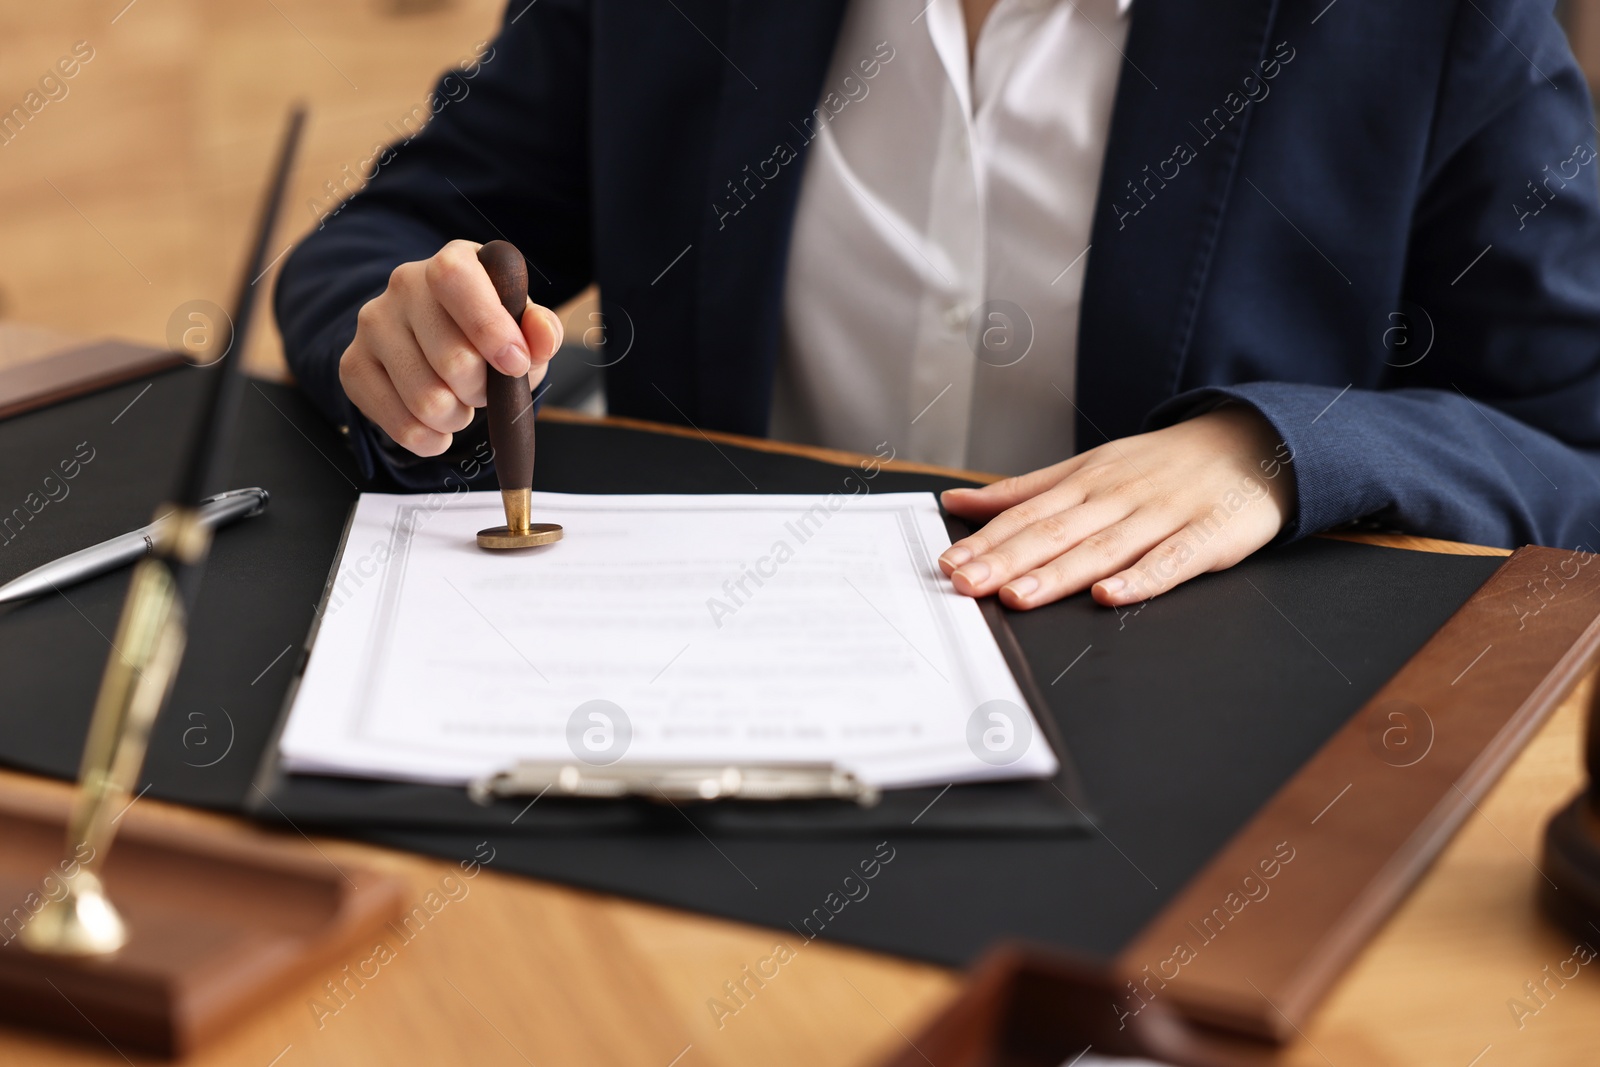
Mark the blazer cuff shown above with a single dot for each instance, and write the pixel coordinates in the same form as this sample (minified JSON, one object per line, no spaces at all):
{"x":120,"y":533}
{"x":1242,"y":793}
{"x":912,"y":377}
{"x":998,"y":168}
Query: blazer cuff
{"x":384,"y":465}
{"x":1321,"y":448}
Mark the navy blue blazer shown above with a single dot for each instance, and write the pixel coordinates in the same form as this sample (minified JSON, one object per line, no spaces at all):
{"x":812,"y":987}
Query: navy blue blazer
{"x":1376,"y":223}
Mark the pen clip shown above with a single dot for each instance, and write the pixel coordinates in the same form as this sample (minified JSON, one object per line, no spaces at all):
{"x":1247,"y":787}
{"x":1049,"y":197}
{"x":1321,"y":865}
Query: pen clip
{"x":259,"y":495}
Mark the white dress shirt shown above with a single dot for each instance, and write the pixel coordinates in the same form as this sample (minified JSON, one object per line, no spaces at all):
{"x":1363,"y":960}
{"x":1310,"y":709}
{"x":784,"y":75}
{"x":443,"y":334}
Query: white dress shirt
{"x":937,"y":259}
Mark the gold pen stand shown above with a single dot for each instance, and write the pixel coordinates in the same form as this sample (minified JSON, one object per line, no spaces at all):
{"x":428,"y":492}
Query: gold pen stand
{"x":209,"y":919}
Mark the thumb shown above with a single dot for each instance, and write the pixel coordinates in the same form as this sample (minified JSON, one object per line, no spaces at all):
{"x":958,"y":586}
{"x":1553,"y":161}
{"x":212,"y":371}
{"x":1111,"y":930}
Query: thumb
{"x":543,"y":331}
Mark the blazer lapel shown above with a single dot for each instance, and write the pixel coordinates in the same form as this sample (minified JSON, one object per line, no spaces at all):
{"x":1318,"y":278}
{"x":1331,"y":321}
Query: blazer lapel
{"x":1177,"y":125}
{"x":777,"y":56}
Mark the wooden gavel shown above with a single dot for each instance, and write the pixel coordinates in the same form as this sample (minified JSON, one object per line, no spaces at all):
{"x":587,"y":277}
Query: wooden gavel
{"x":1572,"y":844}
{"x":510,"y":404}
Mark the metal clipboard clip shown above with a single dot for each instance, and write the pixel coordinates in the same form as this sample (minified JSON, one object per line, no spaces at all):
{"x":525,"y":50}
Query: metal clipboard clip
{"x":676,"y":781}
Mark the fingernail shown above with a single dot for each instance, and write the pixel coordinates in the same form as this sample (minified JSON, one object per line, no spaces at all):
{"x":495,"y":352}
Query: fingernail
{"x":512,"y":360}
{"x":956,"y":556}
{"x":557,"y":329}
{"x":1023,"y":586}
{"x":1110,"y":586}
{"x":974,"y":572}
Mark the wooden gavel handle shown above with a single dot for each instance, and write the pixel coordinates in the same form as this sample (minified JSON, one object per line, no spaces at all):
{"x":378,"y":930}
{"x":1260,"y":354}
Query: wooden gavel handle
{"x":1591,"y":734}
{"x":509,"y":399}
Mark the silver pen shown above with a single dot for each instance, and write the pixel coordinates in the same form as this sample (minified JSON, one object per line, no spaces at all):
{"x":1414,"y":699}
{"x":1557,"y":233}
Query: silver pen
{"x":79,"y":566}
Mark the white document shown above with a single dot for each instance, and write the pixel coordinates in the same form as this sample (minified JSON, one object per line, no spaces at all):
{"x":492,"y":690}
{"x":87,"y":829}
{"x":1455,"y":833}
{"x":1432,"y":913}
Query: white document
{"x":687,"y":629}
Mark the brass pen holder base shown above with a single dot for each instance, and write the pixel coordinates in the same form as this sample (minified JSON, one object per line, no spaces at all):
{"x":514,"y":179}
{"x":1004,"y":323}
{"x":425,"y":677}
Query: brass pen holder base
{"x":217,"y":921}
{"x":81,"y":922}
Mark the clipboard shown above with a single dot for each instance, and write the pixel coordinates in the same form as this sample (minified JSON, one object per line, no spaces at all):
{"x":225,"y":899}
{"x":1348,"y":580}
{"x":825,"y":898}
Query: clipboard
{"x":1022,"y":807}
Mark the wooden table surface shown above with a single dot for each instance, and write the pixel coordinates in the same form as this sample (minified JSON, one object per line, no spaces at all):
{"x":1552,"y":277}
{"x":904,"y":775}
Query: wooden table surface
{"x":520,"y":971}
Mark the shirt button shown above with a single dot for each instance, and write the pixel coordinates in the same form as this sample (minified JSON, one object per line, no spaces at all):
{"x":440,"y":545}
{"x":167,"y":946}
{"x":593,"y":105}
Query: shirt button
{"x":955,"y":318}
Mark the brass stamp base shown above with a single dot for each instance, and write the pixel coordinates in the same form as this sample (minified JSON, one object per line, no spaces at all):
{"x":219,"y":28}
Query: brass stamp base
{"x":538,"y":533}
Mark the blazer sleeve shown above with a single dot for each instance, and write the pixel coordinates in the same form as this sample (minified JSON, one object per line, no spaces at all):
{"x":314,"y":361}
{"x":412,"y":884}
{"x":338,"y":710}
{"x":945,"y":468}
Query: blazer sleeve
{"x":503,"y":154}
{"x":1492,"y":437}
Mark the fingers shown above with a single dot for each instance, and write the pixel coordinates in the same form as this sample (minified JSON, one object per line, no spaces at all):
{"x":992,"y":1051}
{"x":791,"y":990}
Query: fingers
{"x":1037,"y":543}
{"x":1111,"y":548}
{"x":426,"y":396}
{"x":1199,"y":546}
{"x":449,"y":353}
{"x":367,"y":384}
{"x":1052,"y":501}
{"x":1174,"y":561}
{"x":1101,"y":520}
{"x":1151,"y":552}
{"x":987,"y":501}
{"x":455,"y":360}
{"x":459,"y":283}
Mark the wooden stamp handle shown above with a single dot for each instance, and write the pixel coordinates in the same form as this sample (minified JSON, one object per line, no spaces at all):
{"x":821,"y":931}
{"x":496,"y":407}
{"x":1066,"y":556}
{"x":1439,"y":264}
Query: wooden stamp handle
{"x":509,"y":399}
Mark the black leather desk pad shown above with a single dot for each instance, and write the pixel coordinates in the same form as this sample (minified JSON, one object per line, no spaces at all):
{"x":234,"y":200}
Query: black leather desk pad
{"x":1182,"y":717}
{"x":269,"y":572}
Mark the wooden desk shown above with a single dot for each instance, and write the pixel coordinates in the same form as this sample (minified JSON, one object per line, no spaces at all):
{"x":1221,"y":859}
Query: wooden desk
{"x":524,"y":972}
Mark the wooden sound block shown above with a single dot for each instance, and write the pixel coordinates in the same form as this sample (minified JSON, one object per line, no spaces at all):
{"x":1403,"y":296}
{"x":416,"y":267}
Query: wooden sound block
{"x":218,"y":923}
